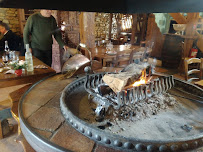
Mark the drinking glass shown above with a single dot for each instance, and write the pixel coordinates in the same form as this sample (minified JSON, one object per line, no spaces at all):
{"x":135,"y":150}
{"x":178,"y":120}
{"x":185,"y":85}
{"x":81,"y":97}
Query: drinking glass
{"x":5,"y":60}
{"x":13,"y":56}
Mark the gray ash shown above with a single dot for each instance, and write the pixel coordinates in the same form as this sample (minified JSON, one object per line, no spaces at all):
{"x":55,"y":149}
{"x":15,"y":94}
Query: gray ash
{"x":144,"y":108}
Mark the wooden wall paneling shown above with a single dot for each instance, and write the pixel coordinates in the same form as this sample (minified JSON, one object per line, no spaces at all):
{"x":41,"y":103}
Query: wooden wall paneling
{"x":71,"y":35}
{"x":72,"y":31}
{"x":56,"y":51}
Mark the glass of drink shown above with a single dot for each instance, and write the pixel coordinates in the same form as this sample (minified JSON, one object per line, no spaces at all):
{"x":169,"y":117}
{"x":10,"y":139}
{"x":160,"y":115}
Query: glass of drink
{"x":5,"y":60}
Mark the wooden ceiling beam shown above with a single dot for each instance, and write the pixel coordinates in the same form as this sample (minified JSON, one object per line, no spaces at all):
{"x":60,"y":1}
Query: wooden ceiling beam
{"x":179,"y":18}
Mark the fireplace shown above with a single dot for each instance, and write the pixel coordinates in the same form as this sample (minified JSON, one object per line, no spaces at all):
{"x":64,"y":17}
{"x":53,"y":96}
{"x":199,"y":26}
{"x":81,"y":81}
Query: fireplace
{"x":155,"y":116}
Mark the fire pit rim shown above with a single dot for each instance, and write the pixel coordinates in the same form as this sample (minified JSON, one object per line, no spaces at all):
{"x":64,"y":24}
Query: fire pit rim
{"x":77,"y":123}
{"x":34,"y":139}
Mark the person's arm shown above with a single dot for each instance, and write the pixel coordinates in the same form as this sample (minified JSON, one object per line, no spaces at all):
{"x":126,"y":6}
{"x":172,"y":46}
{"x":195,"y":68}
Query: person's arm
{"x":58,"y":36}
{"x":27,"y":31}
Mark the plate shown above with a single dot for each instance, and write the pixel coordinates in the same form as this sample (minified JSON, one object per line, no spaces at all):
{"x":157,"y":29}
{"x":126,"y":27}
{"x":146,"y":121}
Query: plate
{"x":111,"y":52}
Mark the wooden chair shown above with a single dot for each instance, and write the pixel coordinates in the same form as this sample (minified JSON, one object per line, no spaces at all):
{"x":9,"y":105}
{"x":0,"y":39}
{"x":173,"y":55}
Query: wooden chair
{"x":193,"y":69}
{"x":108,"y":62}
{"x":122,"y":58}
{"x":137,"y":56}
{"x":15,"y":97}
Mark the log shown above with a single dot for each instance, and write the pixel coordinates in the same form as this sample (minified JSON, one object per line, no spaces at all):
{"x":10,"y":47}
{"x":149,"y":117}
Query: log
{"x":128,"y":76}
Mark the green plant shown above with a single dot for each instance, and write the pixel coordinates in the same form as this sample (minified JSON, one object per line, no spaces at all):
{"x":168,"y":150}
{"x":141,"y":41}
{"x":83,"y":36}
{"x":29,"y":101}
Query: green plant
{"x":18,"y":65}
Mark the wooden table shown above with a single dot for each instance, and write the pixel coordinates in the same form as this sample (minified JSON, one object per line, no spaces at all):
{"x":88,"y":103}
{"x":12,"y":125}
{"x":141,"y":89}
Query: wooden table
{"x":199,"y":83}
{"x":10,"y":81}
{"x":99,"y":53}
{"x":7,"y":80}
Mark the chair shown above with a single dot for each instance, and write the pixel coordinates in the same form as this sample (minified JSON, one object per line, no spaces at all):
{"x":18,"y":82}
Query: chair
{"x":123,"y":58}
{"x":15,"y":98}
{"x":193,"y":69}
{"x":138,"y":55}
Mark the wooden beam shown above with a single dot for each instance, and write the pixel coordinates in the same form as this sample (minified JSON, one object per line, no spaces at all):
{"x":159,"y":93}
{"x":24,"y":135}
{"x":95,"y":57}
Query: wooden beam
{"x":179,"y":18}
{"x":110,"y":25}
{"x":22,"y":20}
{"x":154,"y":35}
{"x":190,"y":31}
{"x":144,"y":26}
{"x":1,"y":131}
{"x":81,"y":22}
{"x":134,"y":28}
{"x":87,"y":30}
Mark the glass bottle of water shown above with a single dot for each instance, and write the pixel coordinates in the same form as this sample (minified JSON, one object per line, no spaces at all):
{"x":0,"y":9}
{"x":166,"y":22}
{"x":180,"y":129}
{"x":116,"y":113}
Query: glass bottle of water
{"x":28,"y":59}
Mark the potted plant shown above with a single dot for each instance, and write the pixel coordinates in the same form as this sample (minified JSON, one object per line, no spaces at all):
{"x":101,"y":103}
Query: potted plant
{"x":18,"y":66}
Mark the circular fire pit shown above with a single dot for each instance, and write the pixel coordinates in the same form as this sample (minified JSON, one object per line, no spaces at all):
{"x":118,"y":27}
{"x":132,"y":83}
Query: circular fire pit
{"x":178,"y":128}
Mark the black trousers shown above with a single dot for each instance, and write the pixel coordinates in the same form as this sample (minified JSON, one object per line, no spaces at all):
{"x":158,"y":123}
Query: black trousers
{"x":43,"y":55}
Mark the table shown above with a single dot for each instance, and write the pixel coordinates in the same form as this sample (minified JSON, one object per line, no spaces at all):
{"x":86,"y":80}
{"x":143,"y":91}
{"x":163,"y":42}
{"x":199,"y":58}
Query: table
{"x":11,"y":82}
{"x":7,"y":80}
{"x":199,"y":83}
{"x":99,"y":53}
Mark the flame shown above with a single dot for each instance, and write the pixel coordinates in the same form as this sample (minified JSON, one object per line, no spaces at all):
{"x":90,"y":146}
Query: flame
{"x":143,"y":80}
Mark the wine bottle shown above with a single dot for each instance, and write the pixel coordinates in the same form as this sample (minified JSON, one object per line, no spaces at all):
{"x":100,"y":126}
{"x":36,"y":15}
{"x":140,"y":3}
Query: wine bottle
{"x":6,"y":49}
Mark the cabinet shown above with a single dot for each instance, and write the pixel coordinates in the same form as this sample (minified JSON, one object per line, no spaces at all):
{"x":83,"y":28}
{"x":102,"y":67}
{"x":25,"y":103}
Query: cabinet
{"x":172,"y":51}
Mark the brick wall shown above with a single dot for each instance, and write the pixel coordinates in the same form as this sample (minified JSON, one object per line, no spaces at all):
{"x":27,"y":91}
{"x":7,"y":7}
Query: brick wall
{"x":10,"y":16}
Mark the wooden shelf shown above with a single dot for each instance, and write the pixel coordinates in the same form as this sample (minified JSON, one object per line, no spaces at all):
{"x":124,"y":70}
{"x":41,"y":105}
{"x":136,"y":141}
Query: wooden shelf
{"x":184,"y":36}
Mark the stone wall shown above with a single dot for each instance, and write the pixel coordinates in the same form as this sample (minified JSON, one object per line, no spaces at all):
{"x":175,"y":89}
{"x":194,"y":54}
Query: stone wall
{"x":10,"y":16}
{"x":102,"y":25}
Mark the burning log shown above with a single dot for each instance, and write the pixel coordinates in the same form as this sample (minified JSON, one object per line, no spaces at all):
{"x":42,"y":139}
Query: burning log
{"x":128,"y":76}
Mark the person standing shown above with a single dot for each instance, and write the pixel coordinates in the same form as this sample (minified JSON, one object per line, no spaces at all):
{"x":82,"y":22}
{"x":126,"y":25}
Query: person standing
{"x":38,"y":32}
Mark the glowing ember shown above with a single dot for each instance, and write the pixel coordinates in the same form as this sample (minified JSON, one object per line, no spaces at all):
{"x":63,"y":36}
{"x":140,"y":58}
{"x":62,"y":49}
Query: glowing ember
{"x":140,"y":82}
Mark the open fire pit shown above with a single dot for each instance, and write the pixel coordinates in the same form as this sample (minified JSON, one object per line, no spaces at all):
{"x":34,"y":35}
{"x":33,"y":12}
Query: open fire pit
{"x":163,"y":114}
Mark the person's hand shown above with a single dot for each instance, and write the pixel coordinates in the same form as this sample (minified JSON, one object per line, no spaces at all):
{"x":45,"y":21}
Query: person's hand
{"x":73,"y":51}
{"x":65,"y":47}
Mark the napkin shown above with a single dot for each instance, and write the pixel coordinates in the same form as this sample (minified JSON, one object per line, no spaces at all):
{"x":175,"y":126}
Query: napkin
{"x":10,"y":72}
{"x":40,"y":67}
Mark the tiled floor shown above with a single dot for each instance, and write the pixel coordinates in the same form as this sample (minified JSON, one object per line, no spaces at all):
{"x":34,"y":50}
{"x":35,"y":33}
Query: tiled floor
{"x":8,"y":144}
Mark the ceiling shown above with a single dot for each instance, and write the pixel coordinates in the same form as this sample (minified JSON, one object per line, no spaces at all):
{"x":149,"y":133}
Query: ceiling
{"x":114,"y":6}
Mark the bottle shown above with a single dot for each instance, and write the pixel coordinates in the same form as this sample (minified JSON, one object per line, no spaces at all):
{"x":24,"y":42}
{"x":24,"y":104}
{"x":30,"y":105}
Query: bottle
{"x":6,"y":49}
{"x":28,"y":59}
